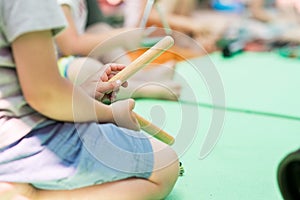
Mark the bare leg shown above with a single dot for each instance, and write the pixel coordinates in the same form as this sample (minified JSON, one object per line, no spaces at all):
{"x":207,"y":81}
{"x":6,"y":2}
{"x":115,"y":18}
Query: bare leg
{"x":158,"y":186}
{"x":186,"y":7}
{"x":157,"y":72}
{"x":7,"y":191}
{"x":168,"y":90}
{"x":17,"y":191}
{"x":208,"y":42}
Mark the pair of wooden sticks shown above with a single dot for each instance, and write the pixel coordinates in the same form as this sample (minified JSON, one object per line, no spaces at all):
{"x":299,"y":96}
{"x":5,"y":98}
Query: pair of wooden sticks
{"x":137,"y":65}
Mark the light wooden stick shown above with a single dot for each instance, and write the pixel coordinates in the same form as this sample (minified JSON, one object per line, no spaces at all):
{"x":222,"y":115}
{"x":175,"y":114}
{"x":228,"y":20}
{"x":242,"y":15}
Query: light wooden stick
{"x":134,"y":67}
{"x":144,"y":59}
{"x":155,"y":131}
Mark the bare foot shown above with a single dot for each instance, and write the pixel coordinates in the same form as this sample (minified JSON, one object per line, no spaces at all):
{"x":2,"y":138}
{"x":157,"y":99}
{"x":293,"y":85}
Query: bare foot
{"x":292,"y":35}
{"x":207,"y":42}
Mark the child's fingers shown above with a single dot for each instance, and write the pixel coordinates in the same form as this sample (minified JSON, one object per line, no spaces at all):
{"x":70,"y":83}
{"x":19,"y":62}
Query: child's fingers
{"x":110,"y":76}
{"x":111,"y":70}
{"x":107,"y":87}
{"x":105,"y":77}
{"x":117,"y":67}
{"x":114,"y":67}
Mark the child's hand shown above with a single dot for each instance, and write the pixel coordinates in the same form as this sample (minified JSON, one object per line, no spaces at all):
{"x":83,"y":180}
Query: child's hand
{"x":123,"y":115}
{"x":98,"y":86}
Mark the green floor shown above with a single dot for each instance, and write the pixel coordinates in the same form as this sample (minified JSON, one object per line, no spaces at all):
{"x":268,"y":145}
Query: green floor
{"x":265,"y":83}
{"x":261,"y":124}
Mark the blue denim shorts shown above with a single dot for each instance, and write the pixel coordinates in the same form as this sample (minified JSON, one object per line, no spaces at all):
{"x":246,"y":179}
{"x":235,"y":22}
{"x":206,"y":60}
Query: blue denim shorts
{"x":64,"y":156}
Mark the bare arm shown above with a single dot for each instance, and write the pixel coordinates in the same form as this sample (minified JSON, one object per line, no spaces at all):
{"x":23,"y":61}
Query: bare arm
{"x":256,"y":4}
{"x":178,"y":22}
{"x":72,"y":43}
{"x":134,"y":10}
{"x":45,"y":90}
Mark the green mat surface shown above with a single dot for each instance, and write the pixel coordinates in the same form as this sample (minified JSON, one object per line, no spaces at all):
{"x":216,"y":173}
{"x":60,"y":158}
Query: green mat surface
{"x":259,"y":95}
{"x":243,"y":163}
{"x":264,"y":83}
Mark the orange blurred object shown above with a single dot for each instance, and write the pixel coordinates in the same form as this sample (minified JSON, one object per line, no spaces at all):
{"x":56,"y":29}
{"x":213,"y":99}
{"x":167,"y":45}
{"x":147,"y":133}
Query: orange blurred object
{"x":174,"y":53}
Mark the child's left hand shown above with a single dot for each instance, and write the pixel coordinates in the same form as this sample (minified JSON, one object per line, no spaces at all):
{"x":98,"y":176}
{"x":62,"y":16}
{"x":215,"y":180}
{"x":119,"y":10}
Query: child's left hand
{"x":98,"y":86}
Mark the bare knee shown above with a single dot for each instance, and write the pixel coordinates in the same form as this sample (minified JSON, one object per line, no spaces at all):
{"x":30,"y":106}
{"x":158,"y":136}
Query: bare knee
{"x":166,"y":168}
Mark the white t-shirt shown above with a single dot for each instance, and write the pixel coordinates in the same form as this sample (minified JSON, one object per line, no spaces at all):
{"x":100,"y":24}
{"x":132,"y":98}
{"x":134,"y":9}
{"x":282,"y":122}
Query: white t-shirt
{"x":17,"y":17}
{"x":79,"y":12}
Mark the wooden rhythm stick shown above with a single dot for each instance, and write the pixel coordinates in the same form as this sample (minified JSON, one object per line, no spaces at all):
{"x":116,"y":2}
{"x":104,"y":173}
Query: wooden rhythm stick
{"x":155,"y":131}
{"x":134,"y":67}
{"x":144,"y":59}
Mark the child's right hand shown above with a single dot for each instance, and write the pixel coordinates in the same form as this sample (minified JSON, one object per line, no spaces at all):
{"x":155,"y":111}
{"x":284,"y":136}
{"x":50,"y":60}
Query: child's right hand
{"x":97,"y":85}
{"x":123,"y":114}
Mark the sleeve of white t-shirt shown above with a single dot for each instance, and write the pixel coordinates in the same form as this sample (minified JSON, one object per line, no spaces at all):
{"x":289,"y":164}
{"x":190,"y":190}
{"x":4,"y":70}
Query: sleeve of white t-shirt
{"x":20,"y":17}
{"x":70,"y":3}
{"x":79,"y":13}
